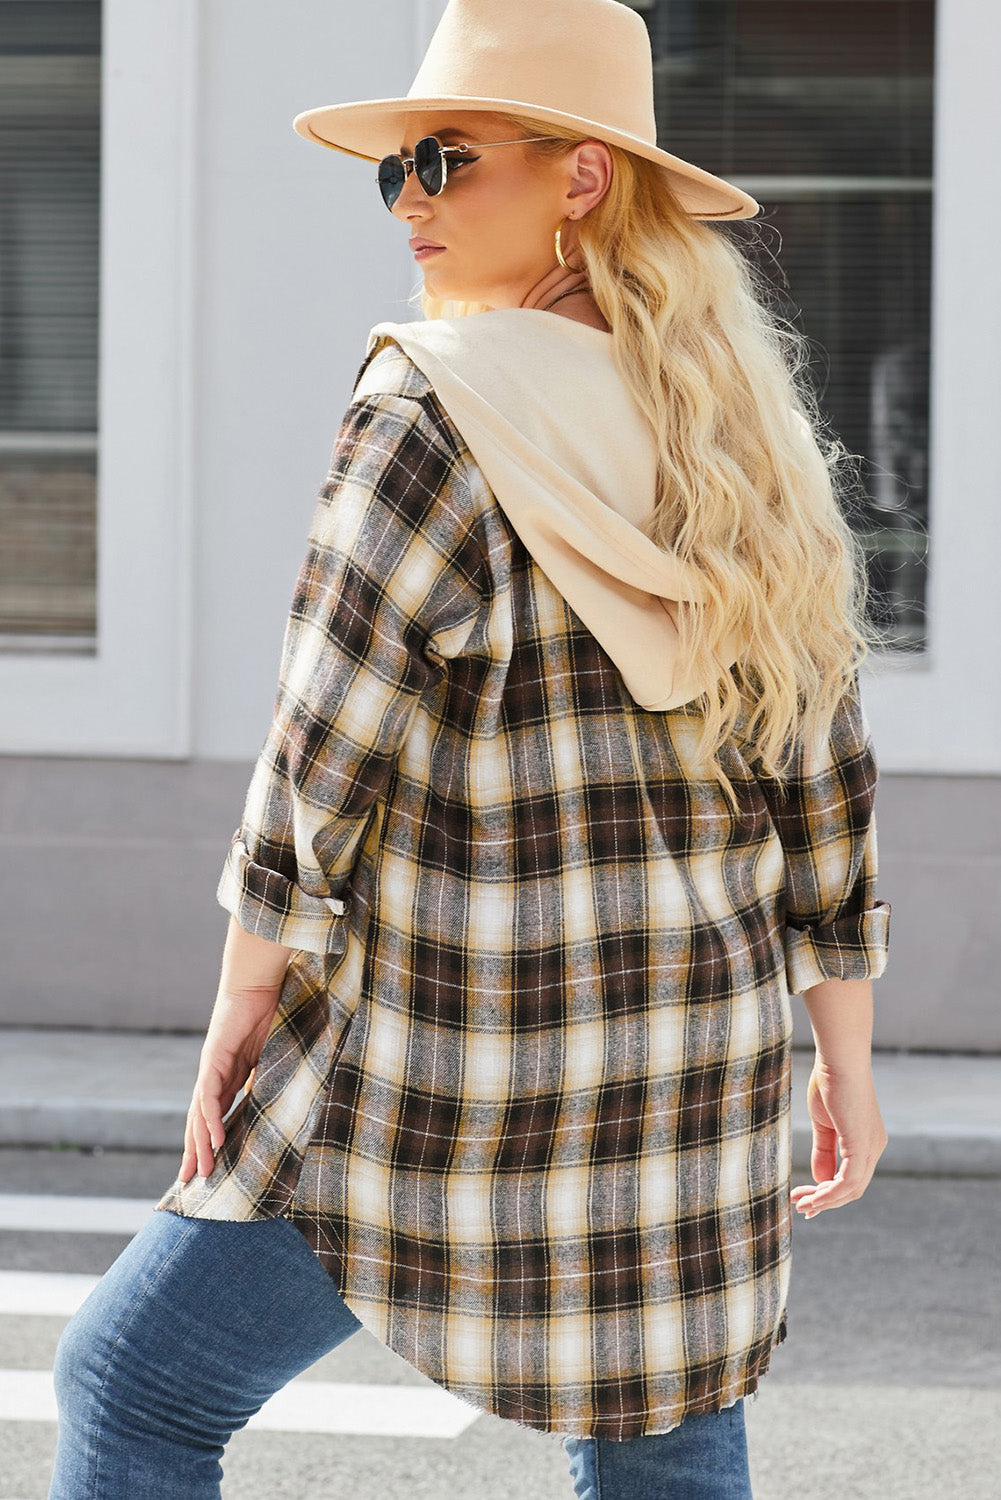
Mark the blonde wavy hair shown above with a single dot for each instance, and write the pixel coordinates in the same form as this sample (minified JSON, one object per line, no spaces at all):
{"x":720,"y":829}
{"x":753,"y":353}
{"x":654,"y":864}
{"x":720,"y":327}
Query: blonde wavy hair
{"x":753,"y":489}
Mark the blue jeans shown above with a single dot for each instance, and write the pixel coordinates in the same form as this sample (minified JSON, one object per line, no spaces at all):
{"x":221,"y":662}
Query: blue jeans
{"x":199,"y":1321}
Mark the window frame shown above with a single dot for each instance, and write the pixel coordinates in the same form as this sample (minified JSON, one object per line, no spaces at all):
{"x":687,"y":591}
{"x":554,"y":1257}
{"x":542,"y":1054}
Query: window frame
{"x":941,"y":711}
{"x":131,"y":695}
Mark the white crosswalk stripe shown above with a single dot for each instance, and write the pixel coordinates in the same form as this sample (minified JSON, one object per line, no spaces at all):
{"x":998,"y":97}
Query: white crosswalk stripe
{"x":302,"y":1406}
{"x":307,"y":1406}
{"x":43,"y":1293}
{"x":51,"y":1212}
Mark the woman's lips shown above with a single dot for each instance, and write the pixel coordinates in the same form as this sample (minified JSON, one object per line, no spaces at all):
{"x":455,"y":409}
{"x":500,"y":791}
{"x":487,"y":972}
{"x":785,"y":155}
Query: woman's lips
{"x":423,"y":251}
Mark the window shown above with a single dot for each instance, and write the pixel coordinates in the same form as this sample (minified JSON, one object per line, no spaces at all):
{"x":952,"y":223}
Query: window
{"x":50,"y":116}
{"x":823,"y":111}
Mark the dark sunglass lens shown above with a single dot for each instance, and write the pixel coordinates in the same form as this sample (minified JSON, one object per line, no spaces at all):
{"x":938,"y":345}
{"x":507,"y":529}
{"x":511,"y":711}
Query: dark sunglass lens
{"x":391,"y":179}
{"x":427,"y":164}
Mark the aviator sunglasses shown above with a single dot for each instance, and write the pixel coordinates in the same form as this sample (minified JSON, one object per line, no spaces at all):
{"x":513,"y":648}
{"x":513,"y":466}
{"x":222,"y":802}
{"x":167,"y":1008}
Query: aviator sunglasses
{"x":430,"y":162}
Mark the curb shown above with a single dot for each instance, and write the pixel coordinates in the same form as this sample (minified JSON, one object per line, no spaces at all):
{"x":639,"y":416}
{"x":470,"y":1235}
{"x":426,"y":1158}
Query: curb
{"x":941,"y":1110}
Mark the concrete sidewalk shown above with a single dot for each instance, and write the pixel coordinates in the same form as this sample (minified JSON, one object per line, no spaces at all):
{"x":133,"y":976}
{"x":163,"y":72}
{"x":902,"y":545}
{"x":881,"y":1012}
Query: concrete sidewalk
{"x":121,"y":1089}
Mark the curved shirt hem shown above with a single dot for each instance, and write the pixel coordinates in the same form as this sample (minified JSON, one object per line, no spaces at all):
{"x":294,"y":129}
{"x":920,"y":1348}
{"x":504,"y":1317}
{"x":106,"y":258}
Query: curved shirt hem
{"x":613,"y":1429}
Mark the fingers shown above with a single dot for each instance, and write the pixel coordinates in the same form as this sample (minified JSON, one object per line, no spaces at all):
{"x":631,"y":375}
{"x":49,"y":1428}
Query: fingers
{"x":211,"y":1116}
{"x":848,"y":1184}
{"x":188,"y":1158}
{"x":204,"y":1134}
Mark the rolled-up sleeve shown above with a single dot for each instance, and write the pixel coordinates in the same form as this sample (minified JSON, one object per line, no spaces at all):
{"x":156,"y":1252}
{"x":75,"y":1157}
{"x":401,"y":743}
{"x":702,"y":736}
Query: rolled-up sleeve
{"x":389,"y":589}
{"x":835,"y":926}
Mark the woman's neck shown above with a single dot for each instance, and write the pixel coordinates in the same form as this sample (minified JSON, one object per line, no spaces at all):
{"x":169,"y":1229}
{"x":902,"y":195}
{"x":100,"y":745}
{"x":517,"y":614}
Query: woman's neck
{"x":568,"y":294}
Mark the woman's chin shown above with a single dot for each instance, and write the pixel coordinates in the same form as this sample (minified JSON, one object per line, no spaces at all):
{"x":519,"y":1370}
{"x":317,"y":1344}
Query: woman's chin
{"x":437,"y":285}
{"x":443,"y":290}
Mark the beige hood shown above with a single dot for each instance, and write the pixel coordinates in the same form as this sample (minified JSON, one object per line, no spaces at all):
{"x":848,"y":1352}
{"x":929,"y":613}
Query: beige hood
{"x":571,"y":459}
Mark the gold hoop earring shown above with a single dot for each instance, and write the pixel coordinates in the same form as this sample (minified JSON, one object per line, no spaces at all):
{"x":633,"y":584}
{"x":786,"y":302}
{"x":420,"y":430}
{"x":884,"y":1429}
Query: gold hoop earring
{"x":559,"y":249}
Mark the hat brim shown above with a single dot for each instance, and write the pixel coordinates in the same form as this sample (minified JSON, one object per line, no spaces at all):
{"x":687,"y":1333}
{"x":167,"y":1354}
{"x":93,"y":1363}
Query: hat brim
{"x":369,"y":129}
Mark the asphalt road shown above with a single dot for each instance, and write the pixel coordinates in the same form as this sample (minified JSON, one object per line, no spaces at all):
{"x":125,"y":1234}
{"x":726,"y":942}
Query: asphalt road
{"x":888,"y":1385}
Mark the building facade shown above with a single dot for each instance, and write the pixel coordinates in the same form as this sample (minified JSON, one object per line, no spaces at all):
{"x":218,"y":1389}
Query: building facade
{"x":185,"y":291}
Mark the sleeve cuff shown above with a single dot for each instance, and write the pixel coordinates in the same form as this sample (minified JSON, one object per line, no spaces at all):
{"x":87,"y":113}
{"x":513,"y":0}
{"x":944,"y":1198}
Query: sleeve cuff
{"x":272,"y":906}
{"x":852,"y":947}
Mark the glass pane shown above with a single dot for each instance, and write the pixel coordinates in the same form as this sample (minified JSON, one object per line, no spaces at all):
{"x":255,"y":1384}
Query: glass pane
{"x":823,"y":110}
{"x":48,"y":530}
{"x":50,"y":75}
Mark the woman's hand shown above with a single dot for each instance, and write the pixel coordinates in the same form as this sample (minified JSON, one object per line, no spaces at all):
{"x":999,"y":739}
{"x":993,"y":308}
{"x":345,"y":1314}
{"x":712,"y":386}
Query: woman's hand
{"x":235,"y":1038}
{"x":845,"y":1113}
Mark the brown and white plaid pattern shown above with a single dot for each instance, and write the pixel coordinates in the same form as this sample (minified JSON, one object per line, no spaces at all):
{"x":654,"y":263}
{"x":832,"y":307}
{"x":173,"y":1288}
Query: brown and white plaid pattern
{"x":527,"y":1091}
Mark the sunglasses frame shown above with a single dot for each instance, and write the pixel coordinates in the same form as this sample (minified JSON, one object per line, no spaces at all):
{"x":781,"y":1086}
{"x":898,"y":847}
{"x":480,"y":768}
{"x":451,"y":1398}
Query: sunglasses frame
{"x":407,"y":162}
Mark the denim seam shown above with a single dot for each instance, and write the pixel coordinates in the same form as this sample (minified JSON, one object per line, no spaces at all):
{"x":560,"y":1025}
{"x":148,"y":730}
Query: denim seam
{"x":597,"y":1469}
{"x":95,"y":1492}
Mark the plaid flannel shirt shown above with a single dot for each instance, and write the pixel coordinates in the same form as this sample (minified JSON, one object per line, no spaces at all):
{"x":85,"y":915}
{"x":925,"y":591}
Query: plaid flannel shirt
{"x":527,"y":1089}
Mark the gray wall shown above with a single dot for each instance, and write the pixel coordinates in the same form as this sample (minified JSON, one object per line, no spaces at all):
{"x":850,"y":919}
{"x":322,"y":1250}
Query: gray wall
{"x":108,"y":914}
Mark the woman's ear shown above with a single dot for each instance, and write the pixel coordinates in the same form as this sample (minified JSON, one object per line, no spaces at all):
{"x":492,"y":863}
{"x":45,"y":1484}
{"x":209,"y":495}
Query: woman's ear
{"x":590,"y":169}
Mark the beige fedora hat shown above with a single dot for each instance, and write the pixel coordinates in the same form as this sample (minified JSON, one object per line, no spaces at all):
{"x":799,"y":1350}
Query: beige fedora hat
{"x":582,"y":63}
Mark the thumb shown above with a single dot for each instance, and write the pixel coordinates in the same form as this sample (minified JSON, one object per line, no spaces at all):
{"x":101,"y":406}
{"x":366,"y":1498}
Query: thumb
{"x":822,"y":1157}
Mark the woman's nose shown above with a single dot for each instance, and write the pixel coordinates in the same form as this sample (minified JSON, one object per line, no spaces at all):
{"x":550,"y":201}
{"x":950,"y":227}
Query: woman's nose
{"x":411,"y":192}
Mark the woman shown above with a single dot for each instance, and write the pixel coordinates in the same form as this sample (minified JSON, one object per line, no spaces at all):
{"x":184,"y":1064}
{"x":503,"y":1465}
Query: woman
{"x":568,"y":787}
